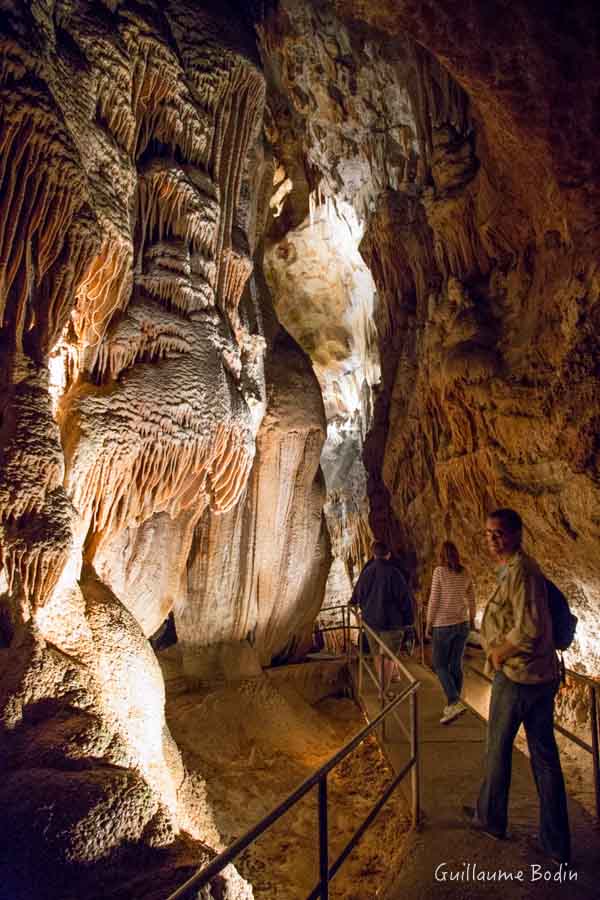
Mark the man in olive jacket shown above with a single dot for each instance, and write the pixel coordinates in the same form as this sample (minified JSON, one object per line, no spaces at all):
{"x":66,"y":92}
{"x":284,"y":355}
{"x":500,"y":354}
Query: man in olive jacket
{"x":386,"y":605}
{"x":516,"y":632}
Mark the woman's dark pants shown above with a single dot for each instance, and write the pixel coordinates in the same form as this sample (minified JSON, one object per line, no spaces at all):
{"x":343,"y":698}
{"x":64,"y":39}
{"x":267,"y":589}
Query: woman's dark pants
{"x":448,"y":649}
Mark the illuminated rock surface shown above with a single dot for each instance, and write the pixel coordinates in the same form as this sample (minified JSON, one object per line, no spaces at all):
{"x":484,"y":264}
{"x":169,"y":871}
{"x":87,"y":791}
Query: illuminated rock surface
{"x":133,"y":392}
{"x":471,"y":156}
{"x":161,"y":432}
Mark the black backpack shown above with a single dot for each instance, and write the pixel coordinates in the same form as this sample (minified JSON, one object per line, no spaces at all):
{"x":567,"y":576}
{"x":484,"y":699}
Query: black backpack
{"x":564,"y":622}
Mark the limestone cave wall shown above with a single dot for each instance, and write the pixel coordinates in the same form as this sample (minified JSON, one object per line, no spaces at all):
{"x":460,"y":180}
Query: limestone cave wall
{"x":466,"y":140}
{"x":149,"y":403}
{"x":490,"y":275}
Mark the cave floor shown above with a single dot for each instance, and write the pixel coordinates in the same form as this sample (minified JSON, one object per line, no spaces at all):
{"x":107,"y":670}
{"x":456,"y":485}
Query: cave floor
{"x":451,"y":767}
{"x":252,"y":743}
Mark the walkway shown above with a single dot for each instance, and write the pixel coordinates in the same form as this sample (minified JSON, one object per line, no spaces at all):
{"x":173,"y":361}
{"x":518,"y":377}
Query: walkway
{"x":451,"y":760}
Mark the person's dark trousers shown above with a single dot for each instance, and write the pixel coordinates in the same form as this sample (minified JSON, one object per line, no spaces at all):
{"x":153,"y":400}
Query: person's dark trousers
{"x":447,"y":656}
{"x":533,"y":705}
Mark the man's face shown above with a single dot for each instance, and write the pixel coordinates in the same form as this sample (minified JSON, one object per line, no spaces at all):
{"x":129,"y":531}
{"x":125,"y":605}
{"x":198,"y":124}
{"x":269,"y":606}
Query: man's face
{"x":501,"y":542}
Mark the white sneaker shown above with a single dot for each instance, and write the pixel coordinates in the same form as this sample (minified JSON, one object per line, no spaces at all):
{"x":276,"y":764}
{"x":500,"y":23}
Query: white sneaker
{"x":445,"y":713}
{"x":452,"y":712}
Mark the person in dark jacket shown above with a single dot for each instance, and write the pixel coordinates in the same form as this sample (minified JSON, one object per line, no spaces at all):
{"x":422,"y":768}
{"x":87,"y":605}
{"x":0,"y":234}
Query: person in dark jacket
{"x":387,"y":607}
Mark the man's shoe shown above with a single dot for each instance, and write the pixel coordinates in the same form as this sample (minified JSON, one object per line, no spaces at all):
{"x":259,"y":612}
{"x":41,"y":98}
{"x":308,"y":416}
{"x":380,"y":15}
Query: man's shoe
{"x":475,"y":825}
{"x":555,"y":859}
{"x":452,"y":712}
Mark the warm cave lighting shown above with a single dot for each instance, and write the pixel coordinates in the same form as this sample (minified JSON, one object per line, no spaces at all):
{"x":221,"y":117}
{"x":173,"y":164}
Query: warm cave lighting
{"x":584,"y":654}
{"x":62,"y":364}
{"x":335,"y":229}
{"x":57,"y":375}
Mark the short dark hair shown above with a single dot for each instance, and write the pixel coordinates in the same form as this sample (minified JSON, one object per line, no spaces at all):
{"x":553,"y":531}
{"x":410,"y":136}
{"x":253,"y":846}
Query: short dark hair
{"x":510,"y":519}
{"x":379,"y":550}
{"x":450,"y":557}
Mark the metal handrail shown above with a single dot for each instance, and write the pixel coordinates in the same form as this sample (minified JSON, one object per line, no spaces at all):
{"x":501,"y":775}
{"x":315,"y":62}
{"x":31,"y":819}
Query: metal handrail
{"x":413,"y":732}
{"x":346,"y":626}
{"x":326,"y":871}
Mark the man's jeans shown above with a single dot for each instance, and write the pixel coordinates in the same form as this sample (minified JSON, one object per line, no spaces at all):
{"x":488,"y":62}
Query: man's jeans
{"x":533,"y":705}
{"x":448,"y":648}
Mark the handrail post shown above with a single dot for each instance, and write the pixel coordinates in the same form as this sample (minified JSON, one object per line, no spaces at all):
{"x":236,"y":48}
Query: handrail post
{"x":381,"y":656}
{"x":348,"y":641}
{"x":414,"y":752}
{"x":595,"y":752}
{"x":421,"y":632}
{"x":323,"y":839}
{"x":360,"y":659}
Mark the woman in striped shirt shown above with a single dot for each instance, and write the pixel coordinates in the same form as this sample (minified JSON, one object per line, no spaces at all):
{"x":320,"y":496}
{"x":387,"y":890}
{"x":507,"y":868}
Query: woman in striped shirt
{"x":450,"y":614}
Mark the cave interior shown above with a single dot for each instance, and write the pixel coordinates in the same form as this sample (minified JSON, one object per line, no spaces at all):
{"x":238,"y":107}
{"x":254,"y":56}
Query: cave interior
{"x":277,"y":279}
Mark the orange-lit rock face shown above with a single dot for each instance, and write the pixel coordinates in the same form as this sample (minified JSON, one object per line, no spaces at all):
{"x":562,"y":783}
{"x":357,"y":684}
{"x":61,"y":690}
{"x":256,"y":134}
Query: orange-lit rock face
{"x":491,"y":288}
{"x":137,"y":163}
{"x":257,"y":573}
{"x":125,"y":250}
{"x":139,"y":434}
{"x":325,"y":295}
{"x":482,"y":240}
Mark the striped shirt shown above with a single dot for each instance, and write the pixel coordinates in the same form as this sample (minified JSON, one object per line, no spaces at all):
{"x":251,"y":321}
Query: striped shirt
{"x":452,"y":598}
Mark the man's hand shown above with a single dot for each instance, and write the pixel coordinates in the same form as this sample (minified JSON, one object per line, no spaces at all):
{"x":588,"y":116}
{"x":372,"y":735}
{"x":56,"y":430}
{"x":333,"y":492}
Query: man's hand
{"x":498,"y":655}
{"x":496,"y":660}
{"x":428,"y":631}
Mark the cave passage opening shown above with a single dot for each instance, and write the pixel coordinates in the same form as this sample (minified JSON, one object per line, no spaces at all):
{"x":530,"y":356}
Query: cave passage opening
{"x":325,"y":296}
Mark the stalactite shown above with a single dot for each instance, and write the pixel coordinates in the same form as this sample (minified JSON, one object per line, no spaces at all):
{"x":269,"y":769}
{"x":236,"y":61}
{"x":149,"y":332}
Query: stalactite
{"x":161,"y":103}
{"x":35,"y":514}
{"x":159,"y":471}
{"x":236,"y":268}
{"x":236,"y":121}
{"x":64,"y":278}
{"x":41,"y":191}
{"x":461,"y":477}
{"x":457,"y":243}
{"x":351,"y":535}
{"x":112,"y":93}
{"x":105,"y":289}
{"x":178,"y":292}
{"x":118,"y":354}
{"x":169,"y":204}
{"x":33,"y":573}
{"x":436,"y":99}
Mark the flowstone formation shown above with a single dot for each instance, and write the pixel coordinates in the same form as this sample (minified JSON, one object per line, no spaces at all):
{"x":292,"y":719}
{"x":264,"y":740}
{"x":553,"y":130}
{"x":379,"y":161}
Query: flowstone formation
{"x":340,"y":125}
{"x":138,"y":422}
{"x":465,"y":141}
{"x":325,"y":296}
